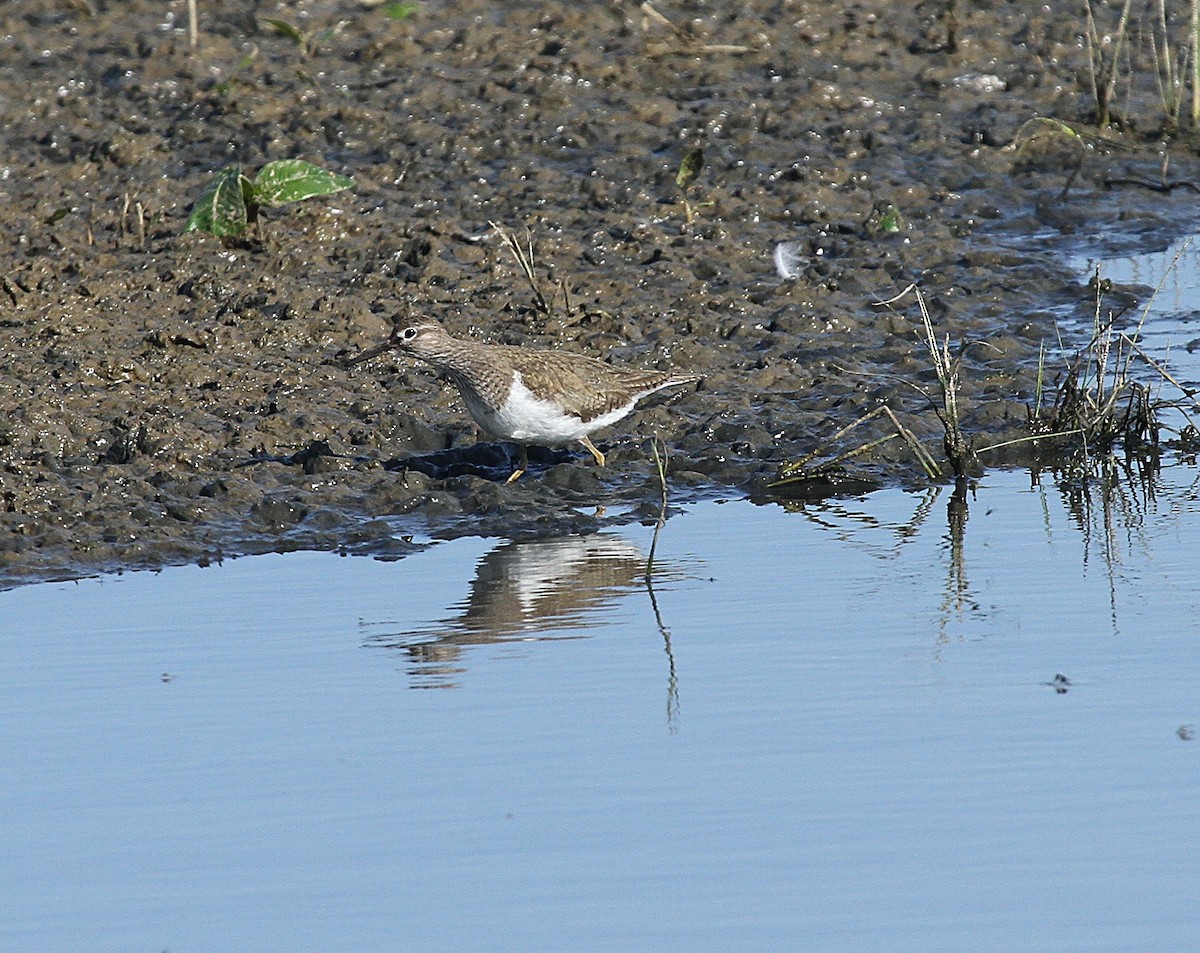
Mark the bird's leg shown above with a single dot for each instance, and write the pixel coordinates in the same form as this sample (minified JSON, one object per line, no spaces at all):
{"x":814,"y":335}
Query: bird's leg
{"x":522,"y":467}
{"x":592,"y":447}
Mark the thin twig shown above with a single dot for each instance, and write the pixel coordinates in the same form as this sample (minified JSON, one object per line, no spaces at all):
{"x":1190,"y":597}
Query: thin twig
{"x":928,"y":464}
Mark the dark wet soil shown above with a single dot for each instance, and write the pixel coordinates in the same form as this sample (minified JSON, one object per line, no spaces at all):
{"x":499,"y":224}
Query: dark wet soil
{"x":168,"y":397}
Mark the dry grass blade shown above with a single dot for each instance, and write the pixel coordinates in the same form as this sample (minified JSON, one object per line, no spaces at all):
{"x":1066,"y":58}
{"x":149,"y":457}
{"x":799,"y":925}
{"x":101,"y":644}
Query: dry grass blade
{"x":798,"y":471}
{"x":684,"y":42}
{"x":525,"y":261}
{"x":193,"y":24}
{"x":1188,"y":392}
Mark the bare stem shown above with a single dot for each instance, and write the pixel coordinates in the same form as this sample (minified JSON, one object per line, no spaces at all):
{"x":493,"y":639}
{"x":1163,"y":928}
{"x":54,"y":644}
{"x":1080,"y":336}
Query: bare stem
{"x":193,"y":24}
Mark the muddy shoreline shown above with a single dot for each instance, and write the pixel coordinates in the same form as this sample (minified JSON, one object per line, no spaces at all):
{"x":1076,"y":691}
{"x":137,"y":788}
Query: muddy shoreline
{"x":170,"y":398}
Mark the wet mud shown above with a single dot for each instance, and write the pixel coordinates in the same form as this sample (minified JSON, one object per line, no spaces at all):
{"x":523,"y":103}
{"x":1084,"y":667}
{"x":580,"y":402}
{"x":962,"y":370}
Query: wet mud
{"x":170,"y":397}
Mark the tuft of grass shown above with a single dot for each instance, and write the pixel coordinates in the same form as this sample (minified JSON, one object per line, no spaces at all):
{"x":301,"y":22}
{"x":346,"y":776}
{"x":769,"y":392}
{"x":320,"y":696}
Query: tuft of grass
{"x":1171,"y":39}
{"x":1104,"y":58}
{"x":959,"y":450}
{"x":1098,"y":404}
{"x":1170,"y":68}
{"x":1099,"y":401}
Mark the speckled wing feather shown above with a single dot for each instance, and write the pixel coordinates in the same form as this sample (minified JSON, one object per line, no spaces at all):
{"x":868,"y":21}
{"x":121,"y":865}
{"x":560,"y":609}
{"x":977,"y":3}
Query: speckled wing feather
{"x":588,"y":387}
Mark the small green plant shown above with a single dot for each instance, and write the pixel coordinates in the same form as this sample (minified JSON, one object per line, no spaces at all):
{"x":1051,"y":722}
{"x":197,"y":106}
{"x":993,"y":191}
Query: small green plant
{"x":222,"y":88}
{"x":883,"y":220}
{"x":309,"y":41}
{"x":399,"y":11}
{"x":689,"y":170}
{"x":230,"y":202}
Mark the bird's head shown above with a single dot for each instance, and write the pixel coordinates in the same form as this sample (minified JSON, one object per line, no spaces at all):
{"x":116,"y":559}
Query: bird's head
{"x":418,"y":336}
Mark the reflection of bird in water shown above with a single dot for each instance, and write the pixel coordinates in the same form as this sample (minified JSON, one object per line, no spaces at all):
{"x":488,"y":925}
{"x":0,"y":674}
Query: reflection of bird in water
{"x":521,"y":590}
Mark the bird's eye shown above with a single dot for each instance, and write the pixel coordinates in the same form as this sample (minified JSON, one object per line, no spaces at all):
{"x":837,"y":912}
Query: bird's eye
{"x":408,"y":333}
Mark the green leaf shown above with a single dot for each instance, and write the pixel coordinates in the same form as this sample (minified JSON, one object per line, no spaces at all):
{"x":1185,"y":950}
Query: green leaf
{"x":282,"y":26}
{"x":399,"y":11}
{"x":290,"y":180}
{"x":689,"y":168}
{"x":221,"y":207}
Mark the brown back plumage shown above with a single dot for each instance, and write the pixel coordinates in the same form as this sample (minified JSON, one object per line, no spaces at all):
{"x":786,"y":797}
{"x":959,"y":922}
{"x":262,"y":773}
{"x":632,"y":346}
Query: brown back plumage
{"x":582,"y":385}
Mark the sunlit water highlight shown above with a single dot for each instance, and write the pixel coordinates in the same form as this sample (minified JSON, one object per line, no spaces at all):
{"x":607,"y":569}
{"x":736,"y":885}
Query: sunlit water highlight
{"x":833,"y":729}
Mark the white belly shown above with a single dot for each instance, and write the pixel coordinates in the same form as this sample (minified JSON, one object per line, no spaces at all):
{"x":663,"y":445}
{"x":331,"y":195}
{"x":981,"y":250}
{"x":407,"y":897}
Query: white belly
{"x":527,"y":419}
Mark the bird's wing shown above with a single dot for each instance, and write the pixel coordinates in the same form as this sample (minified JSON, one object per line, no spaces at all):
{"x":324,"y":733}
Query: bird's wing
{"x":587,"y":387}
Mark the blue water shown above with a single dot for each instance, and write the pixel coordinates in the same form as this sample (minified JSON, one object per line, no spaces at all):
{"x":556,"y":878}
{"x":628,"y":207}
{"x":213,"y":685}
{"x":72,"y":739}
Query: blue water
{"x":833,"y":729}
{"x":1166,"y":321}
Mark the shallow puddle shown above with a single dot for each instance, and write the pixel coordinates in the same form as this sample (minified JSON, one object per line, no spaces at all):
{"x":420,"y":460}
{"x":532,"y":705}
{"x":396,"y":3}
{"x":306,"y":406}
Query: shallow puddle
{"x":861,"y":725}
